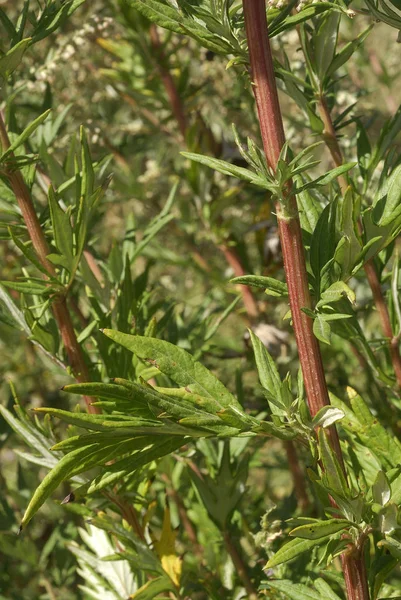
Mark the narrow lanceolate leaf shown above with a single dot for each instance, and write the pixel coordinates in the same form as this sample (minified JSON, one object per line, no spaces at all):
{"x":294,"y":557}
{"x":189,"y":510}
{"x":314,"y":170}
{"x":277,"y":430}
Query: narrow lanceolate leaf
{"x":10,"y":61}
{"x":164,"y":15}
{"x":325,"y":590}
{"x":388,"y":207}
{"x":325,"y":43}
{"x":128,"y":465}
{"x":177,"y":364}
{"x":272,"y":287}
{"x":153,"y":589}
{"x":227,"y":168}
{"x":317,"y":530}
{"x":294,"y":591}
{"x":327,"y":416}
{"x":267,"y":370}
{"x":77,"y":461}
{"x":335,"y":292}
{"x":50,"y":19}
{"x":28,"y":131}
{"x":381,"y":490}
{"x":333,"y":473}
{"x":322,"y":329}
{"x":293,"y":549}
{"x":61,"y":228}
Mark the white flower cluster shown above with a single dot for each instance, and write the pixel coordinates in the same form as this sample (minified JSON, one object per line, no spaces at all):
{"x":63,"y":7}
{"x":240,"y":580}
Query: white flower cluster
{"x":67,"y":49}
{"x":152,"y":172}
{"x":281,"y":3}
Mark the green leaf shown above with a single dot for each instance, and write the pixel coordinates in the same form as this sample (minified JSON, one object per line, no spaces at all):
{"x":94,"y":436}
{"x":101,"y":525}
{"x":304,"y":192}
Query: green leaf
{"x":323,"y":245}
{"x":392,"y":545}
{"x":325,"y":41}
{"x":11,"y":60}
{"x":16,"y":314}
{"x":346,"y":52}
{"x":295,"y":591}
{"x":24,"y":135}
{"x":126,"y":466}
{"x":28,"y":287}
{"x":326,"y":416}
{"x":177,"y":364}
{"x":333,"y":474}
{"x":387,"y":207}
{"x":335,"y":292}
{"x":322,"y":329}
{"x":317,"y":530}
{"x":272,"y":287}
{"x":62,"y":229}
{"x":267,"y":371}
{"x":292,"y":550}
{"x":327,"y":178}
{"x":349,"y":248}
{"x":78,"y":461}
{"x":381,"y":490}
{"x":364,"y":149}
{"x":325,"y":590}
{"x":162,"y":14}
{"x":227,"y":168}
{"x":88,"y":174}
{"x":50,"y":20}
{"x":153,"y":589}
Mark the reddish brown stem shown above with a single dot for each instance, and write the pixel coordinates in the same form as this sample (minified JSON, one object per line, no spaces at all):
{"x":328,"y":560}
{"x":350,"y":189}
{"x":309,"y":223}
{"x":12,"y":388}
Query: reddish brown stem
{"x":382,"y":309}
{"x":40,"y":245}
{"x":168,"y":81}
{"x":298,"y":476}
{"x":331,"y":140}
{"x":240,"y":566}
{"x":271,"y":125}
{"x":234,"y":261}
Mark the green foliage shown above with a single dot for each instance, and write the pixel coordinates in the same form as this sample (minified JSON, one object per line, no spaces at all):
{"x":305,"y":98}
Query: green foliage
{"x":146,"y":278}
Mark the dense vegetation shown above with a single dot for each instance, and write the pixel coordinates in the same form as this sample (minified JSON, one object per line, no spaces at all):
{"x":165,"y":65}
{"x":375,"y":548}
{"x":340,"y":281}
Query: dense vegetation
{"x":190,"y":409}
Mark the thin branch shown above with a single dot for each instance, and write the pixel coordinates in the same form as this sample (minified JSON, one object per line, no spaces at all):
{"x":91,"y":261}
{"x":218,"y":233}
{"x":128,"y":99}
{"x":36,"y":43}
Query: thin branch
{"x":59,"y":305}
{"x":240,"y":566}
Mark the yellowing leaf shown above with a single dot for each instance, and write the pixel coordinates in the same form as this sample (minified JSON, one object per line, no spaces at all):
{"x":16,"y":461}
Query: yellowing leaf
{"x":165,"y":548}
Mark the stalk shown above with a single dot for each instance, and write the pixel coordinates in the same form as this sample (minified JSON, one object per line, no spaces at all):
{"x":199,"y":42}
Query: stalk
{"x":168,"y":81}
{"x":272,"y":131}
{"x":239,"y":565}
{"x":59,"y":305}
{"x":331,"y":140}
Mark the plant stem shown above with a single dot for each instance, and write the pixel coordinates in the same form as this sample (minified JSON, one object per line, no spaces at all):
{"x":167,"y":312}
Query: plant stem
{"x":248,"y":298}
{"x":272,"y":131}
{"x":331,"y":140}
{"x":59,"y":305}
{"x":168,"y":81}
{"x":271,"y":125}
{"x":240,"y":566}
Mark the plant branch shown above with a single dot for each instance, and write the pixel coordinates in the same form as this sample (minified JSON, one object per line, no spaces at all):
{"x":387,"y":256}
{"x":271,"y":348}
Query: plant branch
{"x":272,"y":131}
{"x":248,"y":298}
{"x":239,"y":565}
{"x":59,"y":305}
{"x":331,"y":140}
{"x":168,"y":81}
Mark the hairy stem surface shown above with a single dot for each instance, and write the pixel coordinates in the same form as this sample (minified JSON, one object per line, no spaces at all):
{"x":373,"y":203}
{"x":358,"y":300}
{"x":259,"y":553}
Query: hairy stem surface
{"x":272,"y":131}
